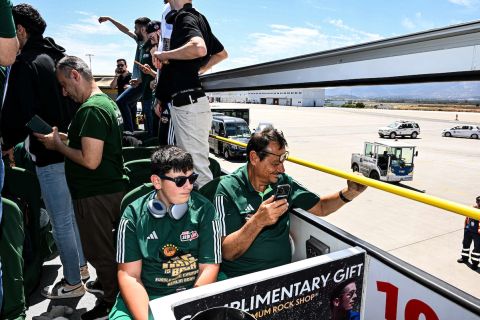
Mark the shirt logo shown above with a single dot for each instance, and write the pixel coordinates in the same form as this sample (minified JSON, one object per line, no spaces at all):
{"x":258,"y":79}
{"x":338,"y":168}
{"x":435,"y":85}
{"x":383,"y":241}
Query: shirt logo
{"x":249,"y":208}
{"x":188,"y":235}
{"x":152,"y":236}
{"x":169,"y":250}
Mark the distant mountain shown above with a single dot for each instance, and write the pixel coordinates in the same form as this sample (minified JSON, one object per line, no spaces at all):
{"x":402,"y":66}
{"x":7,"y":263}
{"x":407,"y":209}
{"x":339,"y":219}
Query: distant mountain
{"x":434,"y":91}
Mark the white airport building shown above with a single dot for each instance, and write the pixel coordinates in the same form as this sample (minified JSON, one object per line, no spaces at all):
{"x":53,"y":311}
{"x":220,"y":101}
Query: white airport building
{"x":311,"y":97}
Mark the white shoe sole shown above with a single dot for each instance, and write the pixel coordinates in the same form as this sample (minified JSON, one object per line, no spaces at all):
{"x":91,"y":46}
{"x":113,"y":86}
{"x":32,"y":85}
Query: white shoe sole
{"x":65,"y":296}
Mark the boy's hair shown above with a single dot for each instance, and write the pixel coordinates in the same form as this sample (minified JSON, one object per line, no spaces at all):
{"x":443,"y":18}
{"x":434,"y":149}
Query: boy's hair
{"x":171,"y":158}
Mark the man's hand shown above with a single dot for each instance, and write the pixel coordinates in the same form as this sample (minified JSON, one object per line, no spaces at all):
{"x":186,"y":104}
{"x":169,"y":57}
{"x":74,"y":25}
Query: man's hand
{"x":162,"y":56}
{"x":355,"y":186}
{"x":155,"y":61}
{"x":52,"y":140}
{"x":270,"y":211}
{"x":103,"y":19}
{"x":135,"y":82}
{"x":145,"y":68}
{"x":158,"y":109}
{"x":9,"y":152}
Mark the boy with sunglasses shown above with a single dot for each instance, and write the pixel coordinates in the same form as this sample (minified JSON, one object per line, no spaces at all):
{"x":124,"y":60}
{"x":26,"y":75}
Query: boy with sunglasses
{"x":168,"y":240}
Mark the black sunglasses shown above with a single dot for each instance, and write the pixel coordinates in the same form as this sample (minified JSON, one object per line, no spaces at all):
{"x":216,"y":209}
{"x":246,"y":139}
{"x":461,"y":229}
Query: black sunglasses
{"x":180,"y":181}
{"x":120,"y":65}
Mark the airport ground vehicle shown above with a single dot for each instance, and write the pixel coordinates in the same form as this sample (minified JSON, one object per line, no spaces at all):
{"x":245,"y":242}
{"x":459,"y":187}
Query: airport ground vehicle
{"x":389,"y":161}
{"x":400,"y":129}
{"x":463,"y":131}
{"x":229,"y":127}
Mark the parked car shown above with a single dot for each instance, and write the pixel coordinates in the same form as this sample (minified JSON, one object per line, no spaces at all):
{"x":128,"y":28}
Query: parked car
{"x":463,"y":131}
{"x":262,"y":125}
{"x":232,"y":128}
{"x":400,"y":128}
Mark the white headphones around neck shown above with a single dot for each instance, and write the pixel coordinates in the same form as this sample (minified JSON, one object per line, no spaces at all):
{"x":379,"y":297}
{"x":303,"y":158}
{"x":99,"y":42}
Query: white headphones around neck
{"x":158,"y":209}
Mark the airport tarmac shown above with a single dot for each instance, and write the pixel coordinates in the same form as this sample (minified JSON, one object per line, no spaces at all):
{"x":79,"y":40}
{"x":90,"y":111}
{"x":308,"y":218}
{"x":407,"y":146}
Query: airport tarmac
{"x":424,"y":236}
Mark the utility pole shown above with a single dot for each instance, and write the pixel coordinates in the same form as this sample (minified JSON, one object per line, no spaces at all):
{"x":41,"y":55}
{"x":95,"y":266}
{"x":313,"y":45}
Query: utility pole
{"x":90,"y":55}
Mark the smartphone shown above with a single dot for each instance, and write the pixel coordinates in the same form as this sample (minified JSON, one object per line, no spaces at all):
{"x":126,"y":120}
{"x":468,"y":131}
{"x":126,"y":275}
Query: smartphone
{"x":282,"y":192}
{"x":37,"y":124}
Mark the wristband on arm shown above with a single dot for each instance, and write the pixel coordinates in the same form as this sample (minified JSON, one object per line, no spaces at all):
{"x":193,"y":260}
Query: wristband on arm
{"x":344,"y":199}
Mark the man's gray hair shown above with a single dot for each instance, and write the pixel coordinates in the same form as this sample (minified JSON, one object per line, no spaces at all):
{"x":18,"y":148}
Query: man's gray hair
{"x":71,"y":62}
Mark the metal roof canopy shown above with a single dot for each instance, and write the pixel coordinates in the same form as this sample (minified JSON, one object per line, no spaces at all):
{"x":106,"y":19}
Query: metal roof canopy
{"x":446,"y":54}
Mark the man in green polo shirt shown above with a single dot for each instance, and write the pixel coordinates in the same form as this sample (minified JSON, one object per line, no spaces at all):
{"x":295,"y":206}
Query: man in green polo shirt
{"x":256,"y":225}
{"x":94,"y":172}
{"x":168,"y":240}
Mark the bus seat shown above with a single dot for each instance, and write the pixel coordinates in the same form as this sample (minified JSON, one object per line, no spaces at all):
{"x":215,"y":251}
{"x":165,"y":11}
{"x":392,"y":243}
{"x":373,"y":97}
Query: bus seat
{"x":22,"y":187}
{"x":136,"y":153}
{"x":138,"y":172}
{"x":209,"y":189}
{"x":135,"y":194}
{"x":12,"y":236}
{"x":215,"y":168}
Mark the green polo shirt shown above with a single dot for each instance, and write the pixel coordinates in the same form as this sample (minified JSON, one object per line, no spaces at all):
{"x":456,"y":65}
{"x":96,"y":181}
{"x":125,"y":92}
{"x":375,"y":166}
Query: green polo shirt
{"x":236,"y":200}
{"x":98,"y":118}
{"x":171,"y":250}
{"x":7,"y":26}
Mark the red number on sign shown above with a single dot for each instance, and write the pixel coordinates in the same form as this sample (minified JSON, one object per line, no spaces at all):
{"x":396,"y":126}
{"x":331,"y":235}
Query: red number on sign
{"x":413,"y":309}
{"x":391,"y":294}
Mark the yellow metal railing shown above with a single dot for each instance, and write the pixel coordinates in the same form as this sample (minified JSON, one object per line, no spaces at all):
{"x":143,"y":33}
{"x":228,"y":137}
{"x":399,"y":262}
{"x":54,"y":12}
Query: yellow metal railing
{"x":448,"y":205}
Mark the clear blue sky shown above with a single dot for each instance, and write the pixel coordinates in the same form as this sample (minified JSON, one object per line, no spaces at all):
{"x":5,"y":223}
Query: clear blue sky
{"x":251,"y":31}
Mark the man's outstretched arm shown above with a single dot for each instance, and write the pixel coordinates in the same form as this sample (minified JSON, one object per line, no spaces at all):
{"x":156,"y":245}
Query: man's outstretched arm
{"x":331,"y":203}
{"x":119,"y":26}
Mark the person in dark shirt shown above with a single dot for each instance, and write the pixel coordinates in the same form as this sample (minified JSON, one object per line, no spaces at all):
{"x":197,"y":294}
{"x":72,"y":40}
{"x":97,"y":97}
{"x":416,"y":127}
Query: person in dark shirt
{"x":471,"y":234}
{"x":122,"y":77}
{"x":193,"y":50}
{"x":33,"y":90}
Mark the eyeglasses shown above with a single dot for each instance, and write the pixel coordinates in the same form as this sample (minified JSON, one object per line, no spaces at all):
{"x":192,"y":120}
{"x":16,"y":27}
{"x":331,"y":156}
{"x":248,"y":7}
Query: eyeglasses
{"x":180,"y":181}
{"x":120,"y":65}
{"x":281,"y":157}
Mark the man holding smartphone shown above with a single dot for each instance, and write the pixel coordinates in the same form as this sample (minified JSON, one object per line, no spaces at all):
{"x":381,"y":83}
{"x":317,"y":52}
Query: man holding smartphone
{"x":256,"y":224}
{"x":127,"y":101}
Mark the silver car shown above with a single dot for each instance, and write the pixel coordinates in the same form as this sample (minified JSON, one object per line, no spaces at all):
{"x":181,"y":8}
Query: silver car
{"x":463,"y":131}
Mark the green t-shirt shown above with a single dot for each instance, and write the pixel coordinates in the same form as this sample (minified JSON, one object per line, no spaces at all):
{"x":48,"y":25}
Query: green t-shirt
{"x":170,"y":250}
{"x":7,"y":26}
{"x":236,"y":200}
{"x":98,"y":118}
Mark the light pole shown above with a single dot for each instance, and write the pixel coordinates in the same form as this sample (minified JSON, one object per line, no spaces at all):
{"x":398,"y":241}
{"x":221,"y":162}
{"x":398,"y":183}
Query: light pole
{"x":90,"y":55}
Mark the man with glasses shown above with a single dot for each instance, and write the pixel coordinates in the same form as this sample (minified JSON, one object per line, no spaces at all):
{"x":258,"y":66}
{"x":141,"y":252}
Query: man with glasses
{"x":256,"y":225}
{"x":122,"y":77}
{"x":471,"y":234}
{"x":95,"y":174}
{"x":168,"y":240}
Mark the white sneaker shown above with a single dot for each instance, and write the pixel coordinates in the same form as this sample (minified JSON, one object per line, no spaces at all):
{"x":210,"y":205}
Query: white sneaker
{"x":84,"y":274}
{"x":62,"y":290}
